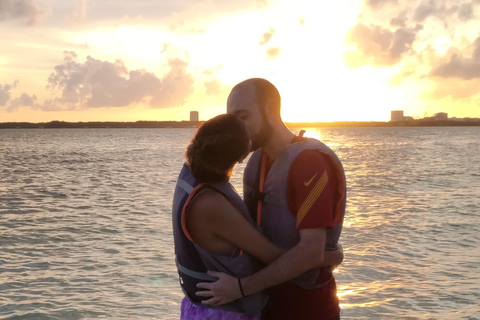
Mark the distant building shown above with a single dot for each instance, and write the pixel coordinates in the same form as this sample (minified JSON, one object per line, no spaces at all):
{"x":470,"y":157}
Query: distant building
{"x":441,"y":116}
{"x":396,"y":115}
{"x":194,"y":116}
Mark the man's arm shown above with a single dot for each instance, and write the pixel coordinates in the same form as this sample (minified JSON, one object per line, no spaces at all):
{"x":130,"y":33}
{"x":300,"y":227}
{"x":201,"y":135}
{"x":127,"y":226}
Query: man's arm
{"x":301,"y":258}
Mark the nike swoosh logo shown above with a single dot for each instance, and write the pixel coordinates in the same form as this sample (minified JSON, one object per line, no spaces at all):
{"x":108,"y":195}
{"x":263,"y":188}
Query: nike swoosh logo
{"x":307,"y":183}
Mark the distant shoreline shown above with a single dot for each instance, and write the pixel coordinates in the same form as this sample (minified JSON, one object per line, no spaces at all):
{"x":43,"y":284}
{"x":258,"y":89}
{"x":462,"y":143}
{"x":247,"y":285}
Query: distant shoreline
{"x":194,"y":124}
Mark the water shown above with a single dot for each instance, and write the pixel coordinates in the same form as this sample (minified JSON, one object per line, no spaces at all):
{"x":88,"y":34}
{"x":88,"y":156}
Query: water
{"x":85,"y":222}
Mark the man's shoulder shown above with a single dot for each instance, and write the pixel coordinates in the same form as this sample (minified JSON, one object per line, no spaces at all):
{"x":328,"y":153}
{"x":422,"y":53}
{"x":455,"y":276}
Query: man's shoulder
{"x":311,"y":157}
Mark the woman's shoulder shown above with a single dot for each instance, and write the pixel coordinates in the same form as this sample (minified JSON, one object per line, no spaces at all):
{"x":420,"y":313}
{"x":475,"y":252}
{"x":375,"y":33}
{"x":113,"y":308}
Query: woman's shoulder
{"x":209,"y":202}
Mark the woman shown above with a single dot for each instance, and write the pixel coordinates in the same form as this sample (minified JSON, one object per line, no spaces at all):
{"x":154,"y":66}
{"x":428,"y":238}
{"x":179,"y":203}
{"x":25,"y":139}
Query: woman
{"x":212,"y":227}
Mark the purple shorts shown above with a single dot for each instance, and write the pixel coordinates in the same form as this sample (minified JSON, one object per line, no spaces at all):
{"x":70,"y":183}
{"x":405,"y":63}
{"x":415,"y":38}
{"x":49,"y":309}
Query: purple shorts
{"x":193,"y":312}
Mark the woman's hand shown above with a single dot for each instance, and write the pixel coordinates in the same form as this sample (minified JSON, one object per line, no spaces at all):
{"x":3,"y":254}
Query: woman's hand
{"x":222,"y":291}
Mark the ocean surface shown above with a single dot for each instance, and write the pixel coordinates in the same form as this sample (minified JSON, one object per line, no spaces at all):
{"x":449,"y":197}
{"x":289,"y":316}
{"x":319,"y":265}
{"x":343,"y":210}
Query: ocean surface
{"x":85,"y":222}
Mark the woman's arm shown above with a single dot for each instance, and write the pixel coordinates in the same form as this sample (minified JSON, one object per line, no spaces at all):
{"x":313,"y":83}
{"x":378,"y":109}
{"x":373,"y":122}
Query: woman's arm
{"x":215,"y":224}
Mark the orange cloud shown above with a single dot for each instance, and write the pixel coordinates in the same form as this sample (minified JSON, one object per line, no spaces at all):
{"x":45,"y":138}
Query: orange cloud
{"x":377,"y":46}
{"x":95,"y":83}
{"x":266,"y":37}
{"x":273,"y":53}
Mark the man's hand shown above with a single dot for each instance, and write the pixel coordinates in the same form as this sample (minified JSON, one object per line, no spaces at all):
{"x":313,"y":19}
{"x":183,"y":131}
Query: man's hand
{"x":222,"y":291}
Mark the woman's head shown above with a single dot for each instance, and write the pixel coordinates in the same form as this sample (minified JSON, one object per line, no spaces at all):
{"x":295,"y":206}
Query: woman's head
{"x":218,"y":144}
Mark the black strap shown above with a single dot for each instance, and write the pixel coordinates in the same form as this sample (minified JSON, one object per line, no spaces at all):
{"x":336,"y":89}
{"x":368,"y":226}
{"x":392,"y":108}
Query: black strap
{"x":257,"y":195}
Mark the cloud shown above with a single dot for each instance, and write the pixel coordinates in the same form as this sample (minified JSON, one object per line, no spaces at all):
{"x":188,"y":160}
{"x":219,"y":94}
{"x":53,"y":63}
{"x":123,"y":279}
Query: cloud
{"x":216,"y":88}
{"x":175,"y":87}
{"x":96,"y":83}
{"x":400,"y":20}
{"x":445,"y":10}
{"x":377,"y":46}
{"x":459,"y":67}
{"x":5,"y":94}
{"x":465,"y":12}
{"x":29,"y":11}
{"x":266,"y":37}
{"x":80,"y":11}
{"x":273,"y":53}
{"x":458,"y":91}
{"x":23,"y":100}
{"x":212,"y":71}
{"x":378,"y":3}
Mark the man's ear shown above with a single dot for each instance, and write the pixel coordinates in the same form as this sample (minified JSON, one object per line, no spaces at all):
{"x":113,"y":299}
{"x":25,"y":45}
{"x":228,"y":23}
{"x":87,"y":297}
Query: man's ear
{"x":272,"y":109}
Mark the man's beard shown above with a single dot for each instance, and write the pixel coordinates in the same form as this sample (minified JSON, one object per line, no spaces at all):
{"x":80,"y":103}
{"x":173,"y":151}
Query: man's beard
{"x":265,"y":133}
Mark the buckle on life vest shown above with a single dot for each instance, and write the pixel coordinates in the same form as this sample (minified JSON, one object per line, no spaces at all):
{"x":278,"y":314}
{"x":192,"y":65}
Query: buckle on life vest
{"x":258,"y":196}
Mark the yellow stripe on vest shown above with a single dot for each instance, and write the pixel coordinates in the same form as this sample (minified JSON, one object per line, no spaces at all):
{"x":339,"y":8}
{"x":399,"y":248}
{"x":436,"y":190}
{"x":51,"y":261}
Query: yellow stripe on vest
{"x":312,"y":197}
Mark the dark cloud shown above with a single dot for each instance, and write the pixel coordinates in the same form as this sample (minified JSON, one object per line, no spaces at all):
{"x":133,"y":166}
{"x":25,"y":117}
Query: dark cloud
{"x":444,"y":10}
{"x":266,"y":37}
{"x":459,"y":67}
{"x":465,"y":12}
{"x":377,"y":46}
{"x":402,"y":41}
{"x":96,"y":83}
{"x":5,"y":94}
{"x":424,"y":10}
{"x":24,"y":100}
{"x":400,"y":20}
{"x":273,"y":53}
{"x":28,"y":11}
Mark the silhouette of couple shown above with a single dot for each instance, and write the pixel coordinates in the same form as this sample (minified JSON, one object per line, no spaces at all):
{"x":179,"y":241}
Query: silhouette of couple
{"x":271,"y":254}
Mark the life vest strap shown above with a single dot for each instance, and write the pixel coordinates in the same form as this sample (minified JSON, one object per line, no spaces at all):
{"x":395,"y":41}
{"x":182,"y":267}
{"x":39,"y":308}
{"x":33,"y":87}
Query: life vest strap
{"x":262,"y":196}
{"x":195,"y":274}
{"x":185,"y":186}
{"x":312,"y":285}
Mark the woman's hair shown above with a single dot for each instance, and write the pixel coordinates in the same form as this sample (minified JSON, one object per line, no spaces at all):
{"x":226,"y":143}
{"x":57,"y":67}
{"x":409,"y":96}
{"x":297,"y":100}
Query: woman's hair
{"x":218,"y":144}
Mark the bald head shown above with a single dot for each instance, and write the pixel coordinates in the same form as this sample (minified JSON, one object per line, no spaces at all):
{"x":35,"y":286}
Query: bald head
{"x":257,"y":102}
{"x":257,"y":90}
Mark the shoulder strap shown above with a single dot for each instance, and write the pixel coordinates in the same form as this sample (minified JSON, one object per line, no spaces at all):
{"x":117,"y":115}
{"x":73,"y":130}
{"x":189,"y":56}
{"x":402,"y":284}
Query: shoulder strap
{"x":185,"y":186}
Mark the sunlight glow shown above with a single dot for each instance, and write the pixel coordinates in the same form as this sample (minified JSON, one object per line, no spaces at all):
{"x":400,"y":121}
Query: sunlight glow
{"x":139,"y":46}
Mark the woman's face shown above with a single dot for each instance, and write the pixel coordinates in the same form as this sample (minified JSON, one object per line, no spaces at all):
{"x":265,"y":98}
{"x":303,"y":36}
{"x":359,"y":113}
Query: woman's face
{"x":249,"y":149}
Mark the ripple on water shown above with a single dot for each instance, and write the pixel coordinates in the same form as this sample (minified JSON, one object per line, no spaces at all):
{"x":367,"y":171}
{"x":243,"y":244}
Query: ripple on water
{"x":85,"y":223}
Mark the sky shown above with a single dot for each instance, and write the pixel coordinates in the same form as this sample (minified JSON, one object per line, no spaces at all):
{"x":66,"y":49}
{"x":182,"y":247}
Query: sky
{"x":342,"y":60}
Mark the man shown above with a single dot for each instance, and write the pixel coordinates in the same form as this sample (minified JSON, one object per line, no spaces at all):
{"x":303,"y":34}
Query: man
{"x":295,"y":189}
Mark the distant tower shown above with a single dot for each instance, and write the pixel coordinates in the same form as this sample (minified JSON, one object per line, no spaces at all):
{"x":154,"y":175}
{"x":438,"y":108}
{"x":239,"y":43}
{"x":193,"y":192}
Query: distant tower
{"x":441,"y":116}
{"x":396,"y":115}
{"x":194,"y":116}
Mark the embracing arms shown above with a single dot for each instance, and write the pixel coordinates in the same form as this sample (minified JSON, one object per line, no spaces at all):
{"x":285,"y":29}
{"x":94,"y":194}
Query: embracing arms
{"x":301,"y":258}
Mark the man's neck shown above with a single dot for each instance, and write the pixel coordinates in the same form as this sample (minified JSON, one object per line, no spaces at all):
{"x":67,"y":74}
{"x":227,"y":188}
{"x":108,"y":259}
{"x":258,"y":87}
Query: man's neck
{"x":280,"y":138}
